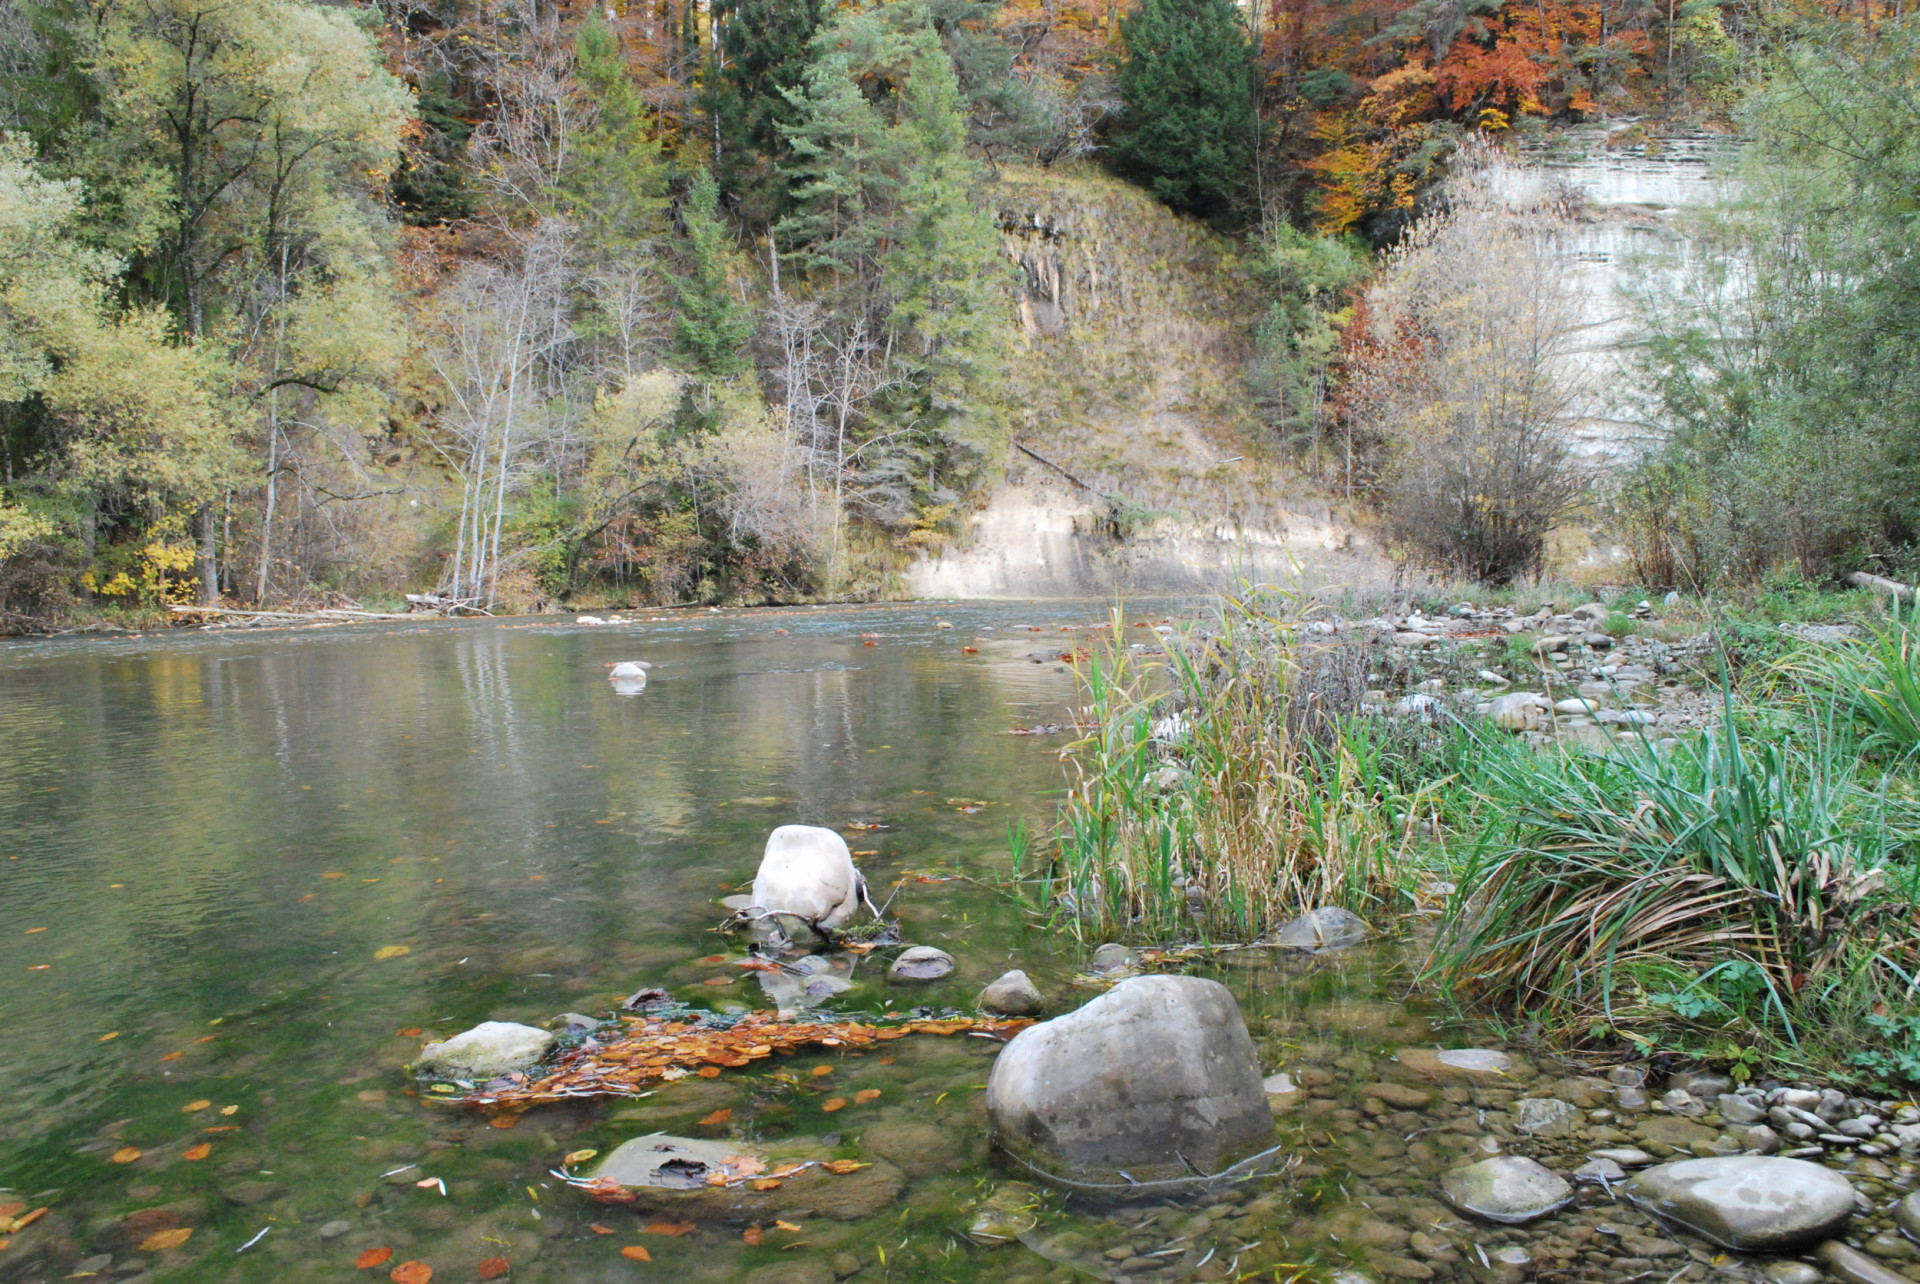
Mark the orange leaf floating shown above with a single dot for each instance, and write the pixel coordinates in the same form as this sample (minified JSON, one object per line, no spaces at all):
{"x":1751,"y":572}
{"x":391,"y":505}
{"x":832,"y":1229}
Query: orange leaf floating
{"x":714,"y":958}
{"x":785,"y":1226}
{"x":636,"y":1252}
{"x":865,"y":1095}
{"x":822,"y":1070}
{"x":717,"y":1117}
{"x":166,"y":1239}
{"x":492,"y":1268}
{"x":200,"y":1151}
{"x":411,"y":1273}
{"x":676,"y":1229}
{"x":718,"y":980}
{"x":598,"y":1229}
{"x":126,"y":1155}
{"x":413,"y":1032}
{"x":371,"y":1258}
{"x":8,"y":1210}
{"x":652,"y":1051}
{"x":841,"y":1167}
{"x":753,"y":1234}
{"x":767,"y":1183}
{"x":835,"y":1103}
{"x":173,"y":1056}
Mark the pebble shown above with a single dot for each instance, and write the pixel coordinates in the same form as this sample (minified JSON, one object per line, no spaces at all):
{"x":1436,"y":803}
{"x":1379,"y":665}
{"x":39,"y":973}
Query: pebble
{"x":335,"y":1229}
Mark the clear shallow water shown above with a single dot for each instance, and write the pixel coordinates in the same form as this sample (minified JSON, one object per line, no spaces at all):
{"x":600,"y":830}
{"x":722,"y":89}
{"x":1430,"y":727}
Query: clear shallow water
{"x":234,"y":866}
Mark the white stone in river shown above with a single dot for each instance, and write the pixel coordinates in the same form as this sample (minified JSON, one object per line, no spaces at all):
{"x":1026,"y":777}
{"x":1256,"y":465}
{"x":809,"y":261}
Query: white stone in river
{"x":1748,"y":1203}
{"x":1482,"y":1060}
{"x":490,"y":1048}
{"x":1326,"y":928}
{"x":1545,"y":1117}
{"x":1509,"y":1190}
{"x":1013,"y":994}
{"x":921,"y":963}
{"x":808,"y":872}
{"x":677,"y":1163}
{"x":1280,"y":1085}
{"x":1625,"y":1156}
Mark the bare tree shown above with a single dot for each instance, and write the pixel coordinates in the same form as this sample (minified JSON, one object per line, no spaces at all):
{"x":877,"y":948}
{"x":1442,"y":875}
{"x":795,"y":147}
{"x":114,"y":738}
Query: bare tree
{"x":1468,"y":373}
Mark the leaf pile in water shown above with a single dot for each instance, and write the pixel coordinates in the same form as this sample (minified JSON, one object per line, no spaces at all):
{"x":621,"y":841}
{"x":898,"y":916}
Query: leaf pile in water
{"x":656,"y":1050}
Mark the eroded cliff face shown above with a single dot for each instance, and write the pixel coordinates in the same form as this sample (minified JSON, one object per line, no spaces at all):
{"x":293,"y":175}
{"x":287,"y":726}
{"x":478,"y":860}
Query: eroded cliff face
{"x":1138,"y":466}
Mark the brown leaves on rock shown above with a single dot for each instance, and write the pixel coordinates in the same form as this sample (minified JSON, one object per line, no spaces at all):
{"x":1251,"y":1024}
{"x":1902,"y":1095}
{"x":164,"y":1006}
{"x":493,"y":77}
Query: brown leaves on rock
{"x":625,"y":1067}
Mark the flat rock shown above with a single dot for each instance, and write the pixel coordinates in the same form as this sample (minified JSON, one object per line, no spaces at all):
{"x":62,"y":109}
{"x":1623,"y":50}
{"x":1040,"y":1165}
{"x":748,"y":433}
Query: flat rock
{"x":921,"y":963}
{"x":1600,"y":1172}
{"x":1509,"y":1190}
{"x":1279,"y":1085}
{"x":1545,"y":1117}
{"x":1013,"y":994}
{"x":1326,"y":928}
{"x":490,"y":1048}
{"x":1157,"y":1071}
{"x":1681,"y":1134}
{"x":666,"y":1163}
{"x":1398,"y":1095}
{"x":1855,"y":1267}
{"x":1748,"y":1203}
{"x":1907,"y":1216}
{"x":1625,"y":1156}
{"x":248,"y":1193}
{"x":335,"y":1229}
{"x":1738,"y":1110}
{"x":1452,"y":1063}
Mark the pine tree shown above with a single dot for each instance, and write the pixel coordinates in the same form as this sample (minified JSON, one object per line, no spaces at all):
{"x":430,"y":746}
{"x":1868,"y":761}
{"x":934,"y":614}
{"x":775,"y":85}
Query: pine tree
{"x":710,"y":325}
{"x":614,"y":184}
{"x":1187,"y":127}
{"x":765,"y":49}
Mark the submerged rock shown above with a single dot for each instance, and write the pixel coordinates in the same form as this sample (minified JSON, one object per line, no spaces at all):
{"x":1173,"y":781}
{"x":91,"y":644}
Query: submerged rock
{"x":1112,"y":957}
{"x":1157,"y":1071}
{"x":808,"y":872}
{"x":490,"y":1048}
{"x":1010,"y":1212}
{"x":1907,"y":1216}
{"x":1509,"y":1190}
{"x":1545,"y":1117}
{"x":1748,"y":1203}
{"x":1013,"y":995}
{"x":1517,"y":711}
{"x":921,"y":963}
{"x":666,"y":1163}
{"x":1326,"y":928}
{"x":1855,"y":1267}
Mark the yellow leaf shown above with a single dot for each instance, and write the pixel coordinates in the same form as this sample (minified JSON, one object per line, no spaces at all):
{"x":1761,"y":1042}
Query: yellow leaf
{"x":786,"y":1226}
{"x":166,"y":1239}
{"x":229,"y":1110}
{"x":193,"y":1106}
{"x":200,"y":1151}
{"x":580,"y":1156}
{"x":111,"y":1034}
{"x":391,"y":951}
{"x":126,"y":1154}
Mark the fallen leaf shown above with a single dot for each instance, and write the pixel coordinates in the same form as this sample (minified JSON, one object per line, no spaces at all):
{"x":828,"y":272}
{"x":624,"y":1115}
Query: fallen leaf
{"x":580,"y":1156}
{"x":675,"y":1229}
{"x":372,"y":1257}
{"x":714,"y":958}
{"x":717,"y":1117}
{"x":30,"y":931}
{"x":785,"y":1226}
{"x":820,"y":1070}
{"x":718,"y":980}
{"x":8,"y":1210}
{"x":598,"y":1229}
{"x":111,"y":1034}
{"x":834,"y":1103}
{"x":708,"y":1072}
{"x":744,"y":1165}
{"x":200,"y":1151}
{"x":223,"y":1128}
{"x":392,"y":952}
{"x":126,"y":1155}
{"x":412,"y":1032}
{"x":970,"y":650}
{"x":753,"y":1234}
{"x":887,"y":1061}
{"x":229,"y":1110}
{"x":39,"y":967}
{"x":767,"y":1183}
{"x":333,"y":875}
{"x":411,"y":1273}
{"x":844,"y":1166}
{"x":636,"y":1252}
{"x":173,"y":1056}
{"x":21,"y":1223}
{"x":492,"y":1268}
{"x":206,"y":1038}
{"x":193,"y":1106}
{"x":504,"y":1121}
{"x":165,"y":1239}
{"x":865,"y":1095}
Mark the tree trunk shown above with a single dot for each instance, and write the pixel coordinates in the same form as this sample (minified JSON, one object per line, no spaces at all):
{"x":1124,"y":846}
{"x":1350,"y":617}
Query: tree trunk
{"x":208,"y":562}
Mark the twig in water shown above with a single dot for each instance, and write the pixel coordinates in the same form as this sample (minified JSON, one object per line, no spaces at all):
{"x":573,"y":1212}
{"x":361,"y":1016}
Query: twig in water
{"x":255,"y":1240}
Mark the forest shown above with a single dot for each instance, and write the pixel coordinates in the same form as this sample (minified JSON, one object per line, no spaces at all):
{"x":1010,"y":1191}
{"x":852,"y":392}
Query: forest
{"x":528,"y":303}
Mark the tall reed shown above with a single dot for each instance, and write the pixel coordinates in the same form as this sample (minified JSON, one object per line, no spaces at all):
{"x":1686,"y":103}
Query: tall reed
{"x":1204,"y":802}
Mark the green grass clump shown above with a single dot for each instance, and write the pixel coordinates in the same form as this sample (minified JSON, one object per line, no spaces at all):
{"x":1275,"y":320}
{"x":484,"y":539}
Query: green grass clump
{"x":1220,"y":793}
{"x":1874,"y":686}
{"x":1756,"y":889}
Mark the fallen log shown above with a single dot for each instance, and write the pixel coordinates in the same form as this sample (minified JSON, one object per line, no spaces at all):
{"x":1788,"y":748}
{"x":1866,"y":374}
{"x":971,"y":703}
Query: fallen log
{"x":1881,"y":584}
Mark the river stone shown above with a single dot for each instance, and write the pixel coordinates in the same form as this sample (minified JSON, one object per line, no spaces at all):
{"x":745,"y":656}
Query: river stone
{"x":1398,"y":1095}
{"x":1625,"y":1156}
{"x":1112,"y":957}
{"x":490,"y":1048}
{"x":921,"y":963}
{"x":1748,"y":1203}
{"x":1013,"y":994}
{"x":808,"y":872}
{"x":1545,"y":1117}
{"x":921,"y":1149}
{"x":1510,"y":1190}
{"x":1681,"y":1134}
{"x":1326,"y":928}
{"x":1855,"y":1267}
{"x":335,"y":1229}
{"x":1516,"y":711}
{"x":1483,"y":1064}
{"x":1600,"y":1172}
{"x":1790,"y":1272}
{"x":248,"y":1193}
{"x":1279,"y":1085}
{"x":1907,"y":1216}
{"x":1738,"y":1110}
{"x":667,"y":1163}
{"x":1156,"y":1071}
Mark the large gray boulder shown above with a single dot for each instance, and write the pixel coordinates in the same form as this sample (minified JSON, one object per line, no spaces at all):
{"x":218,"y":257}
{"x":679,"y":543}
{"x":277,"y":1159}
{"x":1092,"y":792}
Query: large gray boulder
{"x":490,"y":1048}
{"x":808,"y":872}
{"x":1748,"y":1203}
{"x":1153,"y":1075}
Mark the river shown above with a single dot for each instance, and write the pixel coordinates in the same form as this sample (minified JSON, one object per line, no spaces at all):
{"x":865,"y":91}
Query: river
{"x":248,"y":875}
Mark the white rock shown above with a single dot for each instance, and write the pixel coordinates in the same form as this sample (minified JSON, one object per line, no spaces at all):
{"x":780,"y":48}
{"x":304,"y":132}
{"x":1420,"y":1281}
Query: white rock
{"x":490,"y":1048}
{"x":1013,"y":994}
{"x":1748,"y":1203}
{"x":808,"y":872}
{"x":629,"y":671}
{"x":675,"y":1163}
{"x":1509,"y":1190}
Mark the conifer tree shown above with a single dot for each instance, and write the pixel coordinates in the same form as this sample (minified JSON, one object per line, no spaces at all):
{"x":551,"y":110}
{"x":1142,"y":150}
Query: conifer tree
{"x":710,"y":324}
{"x":764,"y":47}
{"x":1187,"y":129}
{"x":614,"y":183}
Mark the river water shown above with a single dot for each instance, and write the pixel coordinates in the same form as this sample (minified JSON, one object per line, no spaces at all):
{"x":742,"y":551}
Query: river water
{"x":237,"y":866}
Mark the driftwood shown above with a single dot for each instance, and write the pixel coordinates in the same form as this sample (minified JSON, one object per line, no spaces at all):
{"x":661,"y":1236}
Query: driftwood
{"x":1881,"y":584}
{"x":329,"y":616}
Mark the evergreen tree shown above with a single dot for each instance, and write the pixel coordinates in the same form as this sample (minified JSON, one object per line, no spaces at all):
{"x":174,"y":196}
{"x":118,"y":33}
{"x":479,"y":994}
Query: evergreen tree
{"x":764,"y":46}
{"x":614,"y":182}
{"x":1187,"y":128}
{"x":710,"y":324}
